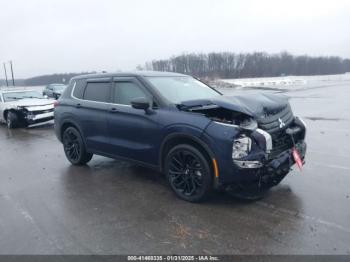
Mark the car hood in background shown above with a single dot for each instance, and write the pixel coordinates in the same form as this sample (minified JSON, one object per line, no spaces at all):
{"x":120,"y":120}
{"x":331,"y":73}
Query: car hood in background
{"x":31,"y":102}
{"x":254,"y":105}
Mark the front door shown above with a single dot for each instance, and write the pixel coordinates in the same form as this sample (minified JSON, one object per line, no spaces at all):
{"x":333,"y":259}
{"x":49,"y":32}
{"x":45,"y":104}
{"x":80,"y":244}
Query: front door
{"x":133,"y":133}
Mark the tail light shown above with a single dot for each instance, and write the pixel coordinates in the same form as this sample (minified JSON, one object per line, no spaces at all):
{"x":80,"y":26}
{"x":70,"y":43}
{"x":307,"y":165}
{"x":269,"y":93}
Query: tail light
{"x":56,"y":103}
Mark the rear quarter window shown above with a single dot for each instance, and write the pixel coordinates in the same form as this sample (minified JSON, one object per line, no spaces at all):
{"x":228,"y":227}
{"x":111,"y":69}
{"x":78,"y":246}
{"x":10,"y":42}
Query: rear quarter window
{"x":79,"y":89}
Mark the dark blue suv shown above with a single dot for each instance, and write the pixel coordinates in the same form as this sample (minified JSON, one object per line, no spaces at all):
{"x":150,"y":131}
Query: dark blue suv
{"x":178,"y":125}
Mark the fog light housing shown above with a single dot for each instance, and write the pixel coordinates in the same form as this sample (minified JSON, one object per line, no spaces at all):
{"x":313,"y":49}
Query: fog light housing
{"x":30,"y":116}
{"x":241,"y":147}
{"x":248,"y":164}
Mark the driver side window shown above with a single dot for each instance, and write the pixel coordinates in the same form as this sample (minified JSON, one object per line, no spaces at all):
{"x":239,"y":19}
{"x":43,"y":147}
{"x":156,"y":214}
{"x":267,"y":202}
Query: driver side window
{"x":126,"y":91}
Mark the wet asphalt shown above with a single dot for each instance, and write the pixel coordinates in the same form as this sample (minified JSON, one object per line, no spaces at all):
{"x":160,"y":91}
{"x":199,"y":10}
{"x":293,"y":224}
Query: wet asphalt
{"x":48,"y":206}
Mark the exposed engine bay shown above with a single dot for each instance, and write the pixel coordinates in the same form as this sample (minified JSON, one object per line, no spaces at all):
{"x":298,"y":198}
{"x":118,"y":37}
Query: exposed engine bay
{"x":244,"y":111}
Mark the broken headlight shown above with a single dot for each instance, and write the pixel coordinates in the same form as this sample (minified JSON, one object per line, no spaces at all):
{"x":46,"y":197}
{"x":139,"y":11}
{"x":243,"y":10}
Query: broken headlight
{"x":249,"y":124}
{"x":30,"y":115}
{"x":241,"y":147}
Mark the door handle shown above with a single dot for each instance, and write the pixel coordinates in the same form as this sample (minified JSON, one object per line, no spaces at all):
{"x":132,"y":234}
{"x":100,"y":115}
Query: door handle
{"x":78,"y":105}
{"x":113,"y":110}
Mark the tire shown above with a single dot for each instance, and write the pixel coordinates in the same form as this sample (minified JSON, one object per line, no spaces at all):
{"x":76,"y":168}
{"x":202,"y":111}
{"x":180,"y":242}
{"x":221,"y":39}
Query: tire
{"x":12,"y":120}
{"x":74,"y":147}
{"x":188,"y":173}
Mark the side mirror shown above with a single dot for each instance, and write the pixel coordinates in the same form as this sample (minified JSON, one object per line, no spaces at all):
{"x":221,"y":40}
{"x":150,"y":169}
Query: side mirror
{"x":141,"y":103}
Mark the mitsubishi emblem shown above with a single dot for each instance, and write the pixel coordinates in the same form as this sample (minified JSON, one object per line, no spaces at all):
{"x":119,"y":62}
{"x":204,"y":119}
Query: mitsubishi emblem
{"x":282,"y":124}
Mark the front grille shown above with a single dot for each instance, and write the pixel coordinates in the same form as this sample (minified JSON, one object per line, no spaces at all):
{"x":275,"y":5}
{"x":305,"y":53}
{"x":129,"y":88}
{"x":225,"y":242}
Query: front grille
{"x":281,"y":141}
{"x":39,"y":112}
{"x":271,"y":123}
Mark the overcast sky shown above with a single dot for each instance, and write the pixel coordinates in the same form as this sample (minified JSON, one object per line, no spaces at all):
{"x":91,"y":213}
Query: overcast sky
{"x":56,"y":36}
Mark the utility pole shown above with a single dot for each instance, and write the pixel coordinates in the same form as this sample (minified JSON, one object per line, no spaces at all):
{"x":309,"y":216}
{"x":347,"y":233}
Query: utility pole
{"x":13,"y":79}
{"x":7,"y":82}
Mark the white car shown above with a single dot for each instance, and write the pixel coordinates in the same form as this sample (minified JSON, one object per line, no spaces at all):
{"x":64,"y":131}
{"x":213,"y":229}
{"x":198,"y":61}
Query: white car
{"x":20,"y":107}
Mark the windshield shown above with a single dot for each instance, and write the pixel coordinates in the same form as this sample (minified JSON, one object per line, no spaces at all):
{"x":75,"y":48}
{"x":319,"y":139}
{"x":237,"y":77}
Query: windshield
{"x":13,"y":96}
{"x":181,"y":88}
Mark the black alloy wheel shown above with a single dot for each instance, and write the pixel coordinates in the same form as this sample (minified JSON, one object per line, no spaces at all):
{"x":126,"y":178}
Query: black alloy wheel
{"x":188,"y":173}
{"x":74,"y":147}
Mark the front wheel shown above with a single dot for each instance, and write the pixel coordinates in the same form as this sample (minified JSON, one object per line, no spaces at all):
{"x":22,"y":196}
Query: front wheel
{"x":12,"y":120}
{"x":188,"y":173}
{"x":74,"y":147}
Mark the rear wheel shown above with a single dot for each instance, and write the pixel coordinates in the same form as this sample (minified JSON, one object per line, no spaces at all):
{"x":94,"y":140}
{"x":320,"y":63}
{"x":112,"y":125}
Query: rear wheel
{"x":74,"y":147}
{"x":188,"y":173}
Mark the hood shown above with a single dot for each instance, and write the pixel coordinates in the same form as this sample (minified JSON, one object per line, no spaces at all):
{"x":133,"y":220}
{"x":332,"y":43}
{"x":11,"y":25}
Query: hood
{"x":254,"y":105}
{"x":31,"y":102}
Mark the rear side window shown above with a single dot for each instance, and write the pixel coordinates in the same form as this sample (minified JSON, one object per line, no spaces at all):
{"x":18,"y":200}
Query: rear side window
{"x":79,"y":89}
{"x":124,"y":92}
{"x":97,"y":92}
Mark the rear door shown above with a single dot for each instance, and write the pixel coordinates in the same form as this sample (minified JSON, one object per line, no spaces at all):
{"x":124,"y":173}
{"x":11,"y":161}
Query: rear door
{"x":133,"y":133}
{"x":92,"y":112}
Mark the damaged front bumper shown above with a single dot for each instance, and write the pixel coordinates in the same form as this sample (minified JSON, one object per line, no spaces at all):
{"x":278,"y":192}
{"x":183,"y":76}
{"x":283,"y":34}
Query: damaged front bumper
{"x":275,"y":163}
{"x":268,"y":173}
{"x":37,"y":114}
{"x":32,"y":119}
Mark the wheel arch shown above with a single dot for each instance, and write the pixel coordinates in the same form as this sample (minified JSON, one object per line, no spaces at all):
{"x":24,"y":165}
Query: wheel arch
{"x":67,"y":124}
{"x":6,"y":111}
{"x":179,"y":138}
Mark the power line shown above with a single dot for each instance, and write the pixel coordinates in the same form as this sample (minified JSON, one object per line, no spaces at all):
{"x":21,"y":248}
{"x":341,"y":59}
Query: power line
{"x":13,"y":79}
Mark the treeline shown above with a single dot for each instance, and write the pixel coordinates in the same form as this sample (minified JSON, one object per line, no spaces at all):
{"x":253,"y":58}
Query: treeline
{"x":18,"y":82}
{"x":50,"y":79}
{"x":42,"y":80}
{"x":243,"y":65}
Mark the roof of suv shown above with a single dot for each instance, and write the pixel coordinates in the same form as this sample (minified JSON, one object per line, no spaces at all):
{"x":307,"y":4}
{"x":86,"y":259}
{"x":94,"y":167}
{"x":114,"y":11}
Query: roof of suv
{"x":134,"y":73}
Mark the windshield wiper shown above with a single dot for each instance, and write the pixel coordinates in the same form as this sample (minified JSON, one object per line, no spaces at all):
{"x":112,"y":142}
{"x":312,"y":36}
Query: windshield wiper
{"x":33,"y":97}
{"x":14,"y":97}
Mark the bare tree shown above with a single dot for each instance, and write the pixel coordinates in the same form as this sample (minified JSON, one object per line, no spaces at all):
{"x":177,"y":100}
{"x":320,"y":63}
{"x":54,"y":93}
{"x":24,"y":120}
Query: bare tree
{"x":257,"y":64}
